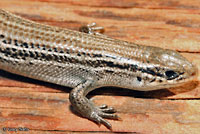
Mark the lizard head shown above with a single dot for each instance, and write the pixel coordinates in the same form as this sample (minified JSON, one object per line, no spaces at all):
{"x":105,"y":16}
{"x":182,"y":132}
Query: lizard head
{"x":148,"y":68}
{"x":168,"y":68}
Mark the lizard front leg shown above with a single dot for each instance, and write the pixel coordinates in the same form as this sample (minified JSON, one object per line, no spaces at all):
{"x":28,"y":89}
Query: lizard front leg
{"x":87,"y":108}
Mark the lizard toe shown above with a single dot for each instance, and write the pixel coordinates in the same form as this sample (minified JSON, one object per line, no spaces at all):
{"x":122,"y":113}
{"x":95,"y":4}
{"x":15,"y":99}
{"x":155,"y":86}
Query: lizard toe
{"x":109,"y":110}
{"x":96,"y":117}
{"x":109,"y":116}
{"x":104,"y":108}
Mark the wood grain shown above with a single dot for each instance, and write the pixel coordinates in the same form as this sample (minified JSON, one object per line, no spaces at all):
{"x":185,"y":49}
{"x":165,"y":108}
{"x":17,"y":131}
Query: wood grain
{"x":44,"y":108}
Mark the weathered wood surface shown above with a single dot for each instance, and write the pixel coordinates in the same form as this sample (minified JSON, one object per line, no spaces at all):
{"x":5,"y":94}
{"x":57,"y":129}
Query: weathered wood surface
{"x":45,"y":108}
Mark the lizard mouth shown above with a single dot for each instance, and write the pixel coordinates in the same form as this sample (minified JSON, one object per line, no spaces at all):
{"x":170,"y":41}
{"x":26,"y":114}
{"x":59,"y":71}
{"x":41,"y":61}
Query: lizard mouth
{"x":181,"y":80}
{"x":185,"y":79}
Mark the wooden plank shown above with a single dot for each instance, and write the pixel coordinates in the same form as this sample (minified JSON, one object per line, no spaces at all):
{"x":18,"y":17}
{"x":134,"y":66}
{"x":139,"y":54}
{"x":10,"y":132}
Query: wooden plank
{"x":44,"y":108}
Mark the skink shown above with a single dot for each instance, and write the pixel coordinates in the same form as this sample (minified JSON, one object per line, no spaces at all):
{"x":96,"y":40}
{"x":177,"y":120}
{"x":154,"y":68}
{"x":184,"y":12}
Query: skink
{"x":85,"y":62}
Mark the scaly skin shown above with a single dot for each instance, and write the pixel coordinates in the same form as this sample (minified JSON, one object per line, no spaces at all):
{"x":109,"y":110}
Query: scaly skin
{"x":85,"y":62}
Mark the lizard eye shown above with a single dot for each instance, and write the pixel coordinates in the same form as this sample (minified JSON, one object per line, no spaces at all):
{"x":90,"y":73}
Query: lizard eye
{"x":171,"y":74}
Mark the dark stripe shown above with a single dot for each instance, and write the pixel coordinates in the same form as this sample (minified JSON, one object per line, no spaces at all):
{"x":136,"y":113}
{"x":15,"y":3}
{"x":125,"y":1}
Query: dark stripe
{"x":150,"y":71}
{"x":64,"y":59}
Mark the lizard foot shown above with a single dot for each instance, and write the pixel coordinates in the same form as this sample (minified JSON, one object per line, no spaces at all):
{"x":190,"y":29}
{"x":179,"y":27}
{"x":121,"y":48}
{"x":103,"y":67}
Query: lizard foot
{"x":101,"y":112}
{"x":88,"y":109}
{"x":92,"y":29}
